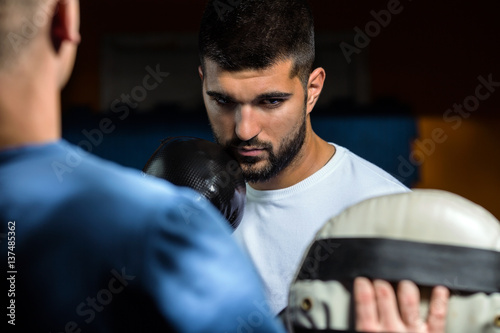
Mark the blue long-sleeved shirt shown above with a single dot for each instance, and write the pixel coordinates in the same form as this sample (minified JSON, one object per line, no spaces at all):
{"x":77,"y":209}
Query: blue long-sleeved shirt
{"x":101,"y":248}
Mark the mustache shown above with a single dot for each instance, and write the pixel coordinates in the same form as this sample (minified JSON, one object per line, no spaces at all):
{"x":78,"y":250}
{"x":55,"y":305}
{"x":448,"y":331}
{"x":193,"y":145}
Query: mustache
{"x":253,"y":143}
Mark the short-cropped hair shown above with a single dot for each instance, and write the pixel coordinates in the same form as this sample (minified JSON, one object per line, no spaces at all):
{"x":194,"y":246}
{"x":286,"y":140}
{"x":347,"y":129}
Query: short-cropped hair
{"x":256,"y":34}
{"x":20,"y":22}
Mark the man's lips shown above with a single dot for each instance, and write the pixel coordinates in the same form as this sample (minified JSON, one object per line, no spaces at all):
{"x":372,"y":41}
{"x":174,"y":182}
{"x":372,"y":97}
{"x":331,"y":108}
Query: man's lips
{"x":249,"y":151}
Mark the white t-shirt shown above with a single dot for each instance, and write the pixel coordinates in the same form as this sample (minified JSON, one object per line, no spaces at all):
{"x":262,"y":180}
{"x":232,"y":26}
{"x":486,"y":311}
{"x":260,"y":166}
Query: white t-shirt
{"x":278,"y":225}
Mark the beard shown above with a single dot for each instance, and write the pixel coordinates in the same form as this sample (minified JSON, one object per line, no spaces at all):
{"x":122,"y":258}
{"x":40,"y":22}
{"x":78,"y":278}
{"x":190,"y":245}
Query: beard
{"x":289,"y":148}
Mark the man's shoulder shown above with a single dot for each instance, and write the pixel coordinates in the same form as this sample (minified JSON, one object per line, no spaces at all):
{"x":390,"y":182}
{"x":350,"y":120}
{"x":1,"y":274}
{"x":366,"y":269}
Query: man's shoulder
{"x":357,"y":169}
{"x":82,"y":184}
{"x":89,"y":172}
{"x":137,"y":192}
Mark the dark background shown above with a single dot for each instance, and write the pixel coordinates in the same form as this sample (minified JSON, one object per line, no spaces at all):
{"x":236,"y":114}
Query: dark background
{"x":427,"y":59}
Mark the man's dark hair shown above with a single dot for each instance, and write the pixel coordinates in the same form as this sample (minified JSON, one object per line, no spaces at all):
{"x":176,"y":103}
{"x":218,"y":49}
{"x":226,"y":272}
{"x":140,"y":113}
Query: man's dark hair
{"x":256,"y":34}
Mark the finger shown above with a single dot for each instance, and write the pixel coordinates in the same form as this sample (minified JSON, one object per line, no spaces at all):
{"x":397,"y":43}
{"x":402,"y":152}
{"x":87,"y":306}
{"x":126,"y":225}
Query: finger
{"x":438,"y":308}
{"x":388,"y":307}
{"x":366,"y":306}
{"x":409,"y":305}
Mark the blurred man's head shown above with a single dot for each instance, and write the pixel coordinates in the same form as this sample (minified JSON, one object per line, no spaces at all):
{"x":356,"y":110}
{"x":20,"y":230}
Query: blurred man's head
{"x":32,"y":31}
{"x":13,"y":27}
{"x":258,"y":82}
{"x":38,"y":43}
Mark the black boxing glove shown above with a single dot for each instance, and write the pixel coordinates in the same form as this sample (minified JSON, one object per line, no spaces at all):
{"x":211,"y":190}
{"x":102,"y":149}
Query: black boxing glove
{"x":205,"y":167}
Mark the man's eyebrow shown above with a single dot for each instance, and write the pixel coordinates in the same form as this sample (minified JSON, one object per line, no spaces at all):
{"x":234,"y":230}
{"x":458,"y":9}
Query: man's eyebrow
{"x":268,"y":95}
{"x":274,"y":94}
{"x":218,"y":95}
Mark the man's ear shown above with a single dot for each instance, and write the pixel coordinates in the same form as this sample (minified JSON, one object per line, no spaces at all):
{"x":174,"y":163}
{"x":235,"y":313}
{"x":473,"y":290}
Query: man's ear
{"x":64,"y":28}
{"x":200,"y":72}
{"x":314,"y":87}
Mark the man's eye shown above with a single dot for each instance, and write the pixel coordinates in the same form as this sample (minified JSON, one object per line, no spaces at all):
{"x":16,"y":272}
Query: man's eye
{"x":222,"y":101}
{"x":272,"y":102}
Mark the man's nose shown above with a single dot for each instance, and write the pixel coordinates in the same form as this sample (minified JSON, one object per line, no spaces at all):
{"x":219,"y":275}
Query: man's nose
{"x":247,"y":123}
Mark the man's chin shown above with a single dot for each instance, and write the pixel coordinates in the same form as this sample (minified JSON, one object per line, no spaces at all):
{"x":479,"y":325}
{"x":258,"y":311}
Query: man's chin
{"x":255,"y":174}
{"x":250,"y":161}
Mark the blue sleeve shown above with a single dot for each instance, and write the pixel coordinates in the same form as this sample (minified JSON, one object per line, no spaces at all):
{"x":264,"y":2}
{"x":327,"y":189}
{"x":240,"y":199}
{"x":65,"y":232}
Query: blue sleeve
{"x":199,"y":277}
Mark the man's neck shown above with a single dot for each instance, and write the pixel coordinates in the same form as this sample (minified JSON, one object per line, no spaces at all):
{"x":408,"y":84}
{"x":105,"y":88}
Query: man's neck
{"x":29,"y":111}
{"x":314,"y":154}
